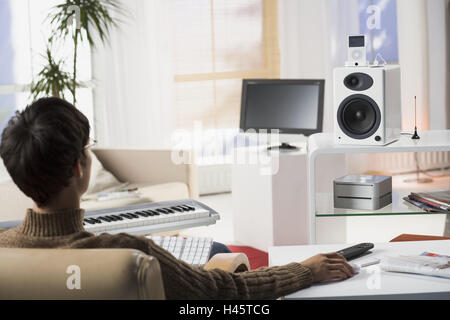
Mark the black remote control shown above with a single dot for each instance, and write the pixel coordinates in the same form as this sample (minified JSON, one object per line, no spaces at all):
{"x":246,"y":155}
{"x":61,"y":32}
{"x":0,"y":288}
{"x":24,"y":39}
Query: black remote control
{"x":355,"y":251}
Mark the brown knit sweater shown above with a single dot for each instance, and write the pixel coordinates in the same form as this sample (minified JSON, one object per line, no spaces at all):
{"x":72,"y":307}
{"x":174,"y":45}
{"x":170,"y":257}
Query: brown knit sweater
{"x":64,"y":229}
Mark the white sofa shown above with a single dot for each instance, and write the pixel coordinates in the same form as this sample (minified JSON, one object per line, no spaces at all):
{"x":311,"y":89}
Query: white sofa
{"x":153,"y":172}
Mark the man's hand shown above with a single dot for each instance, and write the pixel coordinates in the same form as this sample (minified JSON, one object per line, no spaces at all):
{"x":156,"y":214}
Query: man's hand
{"x":328,"y":267}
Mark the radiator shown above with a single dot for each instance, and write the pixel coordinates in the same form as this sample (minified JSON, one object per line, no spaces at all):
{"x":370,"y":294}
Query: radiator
{"x":214,"y":178}
{"x":404,"y":162}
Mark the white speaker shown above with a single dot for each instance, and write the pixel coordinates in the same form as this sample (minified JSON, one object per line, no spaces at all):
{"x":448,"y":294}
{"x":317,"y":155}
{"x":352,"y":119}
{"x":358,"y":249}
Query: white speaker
{"x":367,"y":105}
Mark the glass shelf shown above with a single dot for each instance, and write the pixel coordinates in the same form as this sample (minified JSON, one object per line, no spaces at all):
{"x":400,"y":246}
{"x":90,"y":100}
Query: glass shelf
{"x":321,"y":204}
{"x":325,"y":207}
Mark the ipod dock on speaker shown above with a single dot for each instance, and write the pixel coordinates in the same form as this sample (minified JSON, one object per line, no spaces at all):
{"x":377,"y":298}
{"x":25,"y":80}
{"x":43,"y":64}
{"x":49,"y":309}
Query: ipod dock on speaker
{"x":367,"y":105}
{"x":356,"y":54}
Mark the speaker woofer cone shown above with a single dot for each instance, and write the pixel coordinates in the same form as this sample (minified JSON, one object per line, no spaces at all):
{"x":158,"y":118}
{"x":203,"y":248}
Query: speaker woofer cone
{"x":359,"y":116}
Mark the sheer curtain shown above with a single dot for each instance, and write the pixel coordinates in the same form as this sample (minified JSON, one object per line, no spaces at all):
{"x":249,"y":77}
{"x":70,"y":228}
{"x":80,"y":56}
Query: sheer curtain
{"x":133,"y":79}
{"x":341,"y":19}
{"x":313,"y":40}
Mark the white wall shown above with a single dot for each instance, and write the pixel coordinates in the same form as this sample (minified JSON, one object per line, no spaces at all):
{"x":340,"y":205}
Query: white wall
{"x":413,"y":57}
{"x":439,"y":64}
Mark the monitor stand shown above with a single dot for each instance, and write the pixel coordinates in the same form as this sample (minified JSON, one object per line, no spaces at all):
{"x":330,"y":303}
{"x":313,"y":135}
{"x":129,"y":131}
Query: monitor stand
{"x":284,"y":147}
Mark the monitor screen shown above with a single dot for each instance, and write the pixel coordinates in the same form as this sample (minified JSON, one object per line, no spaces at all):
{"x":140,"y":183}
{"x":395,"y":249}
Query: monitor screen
{"x":291,"y":106}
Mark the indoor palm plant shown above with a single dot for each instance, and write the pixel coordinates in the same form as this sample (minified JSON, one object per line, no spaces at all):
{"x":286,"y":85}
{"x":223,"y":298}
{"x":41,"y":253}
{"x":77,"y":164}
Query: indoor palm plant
{"x":52,"y":79}
{"x":93,"y":17}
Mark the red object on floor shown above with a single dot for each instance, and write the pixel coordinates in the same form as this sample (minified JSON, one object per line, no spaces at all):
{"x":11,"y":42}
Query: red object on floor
{"x":417,"y":237}
{"x":257,"y":258}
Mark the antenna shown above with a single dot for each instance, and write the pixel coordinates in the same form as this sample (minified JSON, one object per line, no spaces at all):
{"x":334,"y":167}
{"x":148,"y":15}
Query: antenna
{"x":415,"y":135}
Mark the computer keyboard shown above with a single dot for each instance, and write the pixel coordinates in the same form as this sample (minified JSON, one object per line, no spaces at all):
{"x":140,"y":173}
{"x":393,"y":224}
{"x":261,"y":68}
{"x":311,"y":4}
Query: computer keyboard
{"x":194,"y":251}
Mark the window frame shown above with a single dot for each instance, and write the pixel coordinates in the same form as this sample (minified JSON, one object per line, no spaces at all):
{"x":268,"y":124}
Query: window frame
{"x":271,"y":56}
{"x":271,"y":52}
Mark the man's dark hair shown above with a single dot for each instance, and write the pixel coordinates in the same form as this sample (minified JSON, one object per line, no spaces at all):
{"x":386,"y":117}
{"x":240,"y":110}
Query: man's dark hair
{"x":41,"y":145}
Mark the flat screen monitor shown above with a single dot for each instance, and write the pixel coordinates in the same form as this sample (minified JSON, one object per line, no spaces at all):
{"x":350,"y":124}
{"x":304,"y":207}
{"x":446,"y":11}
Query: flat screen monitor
{"x":292,"y":106}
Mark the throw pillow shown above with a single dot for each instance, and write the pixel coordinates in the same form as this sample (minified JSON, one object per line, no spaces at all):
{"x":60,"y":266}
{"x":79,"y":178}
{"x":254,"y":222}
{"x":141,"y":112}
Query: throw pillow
{"x":101,"y":179}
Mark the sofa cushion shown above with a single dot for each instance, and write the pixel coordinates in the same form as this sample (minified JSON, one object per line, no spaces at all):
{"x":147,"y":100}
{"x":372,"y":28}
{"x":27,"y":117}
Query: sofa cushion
{"x":90,"y":205}
{"x":101,"y":179}
{"x":163,"y":191}
{"x":145,"y":193}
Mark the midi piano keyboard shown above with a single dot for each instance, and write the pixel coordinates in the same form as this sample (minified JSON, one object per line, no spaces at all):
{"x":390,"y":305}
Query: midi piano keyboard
{"x":146,"y":218}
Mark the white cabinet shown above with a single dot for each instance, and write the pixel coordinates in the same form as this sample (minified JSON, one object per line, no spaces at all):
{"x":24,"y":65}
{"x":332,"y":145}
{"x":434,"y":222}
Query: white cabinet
{"x":270,"y":199}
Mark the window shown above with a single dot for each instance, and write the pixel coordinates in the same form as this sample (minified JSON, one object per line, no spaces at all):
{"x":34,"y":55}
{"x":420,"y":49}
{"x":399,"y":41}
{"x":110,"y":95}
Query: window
{"x":216,"y":44}
{"x":23,"y":39}
{"x":378,"y":20}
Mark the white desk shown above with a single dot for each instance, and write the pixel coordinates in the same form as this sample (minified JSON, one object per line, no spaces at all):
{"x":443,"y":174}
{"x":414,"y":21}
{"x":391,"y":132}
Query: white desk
{"x":371,"y":282}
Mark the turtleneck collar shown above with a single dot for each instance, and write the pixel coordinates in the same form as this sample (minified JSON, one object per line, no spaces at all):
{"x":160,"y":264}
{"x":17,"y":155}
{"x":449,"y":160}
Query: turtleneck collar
{"x":52,"y":224}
